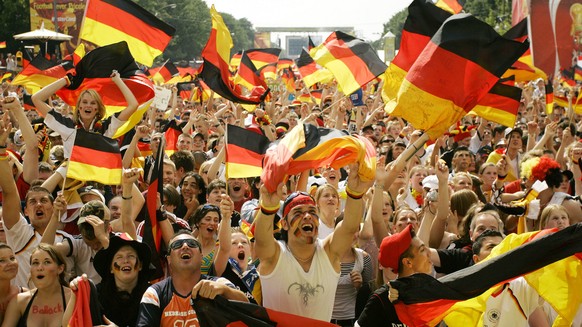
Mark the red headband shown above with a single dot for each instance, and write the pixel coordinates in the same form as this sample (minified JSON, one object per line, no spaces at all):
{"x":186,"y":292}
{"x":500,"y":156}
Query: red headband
{"x":297,"y":200}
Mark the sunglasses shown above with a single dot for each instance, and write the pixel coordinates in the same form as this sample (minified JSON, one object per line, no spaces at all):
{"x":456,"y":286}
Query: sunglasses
{"x":191,"y":243}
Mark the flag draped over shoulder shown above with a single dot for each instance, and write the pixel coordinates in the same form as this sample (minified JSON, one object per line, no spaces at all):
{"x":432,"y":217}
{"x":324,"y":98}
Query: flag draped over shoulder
{"x":244,"y":152}
{"x":95,"y":157}
{"x":309,"y":70}
{"x":461,"y":63}
{"x":112,"y":21}
{"x":423,"y":21}
{"x":549,"y":260}
{"x":40,"y":73}
{"x":352,"y":61}
{"x":152,"y":234}
{"x":216,"y":69}
{"x":94,"y":71}
{"x":221,"y":312}
{"x":307,"y":146}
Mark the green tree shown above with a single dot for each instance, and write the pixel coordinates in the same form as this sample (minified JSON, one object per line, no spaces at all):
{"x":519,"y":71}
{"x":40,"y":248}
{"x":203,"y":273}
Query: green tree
{"x":15,"y":20}
{"x":396,"y":24}
{"x":496,"y":13}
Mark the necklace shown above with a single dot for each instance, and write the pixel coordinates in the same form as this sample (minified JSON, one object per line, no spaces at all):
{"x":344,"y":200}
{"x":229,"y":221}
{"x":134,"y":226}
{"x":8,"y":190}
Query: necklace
{"x":299,"y":259}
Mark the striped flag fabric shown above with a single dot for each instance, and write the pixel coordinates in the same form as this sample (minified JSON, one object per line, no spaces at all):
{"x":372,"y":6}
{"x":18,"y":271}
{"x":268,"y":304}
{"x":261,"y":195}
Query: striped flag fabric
{"x":463,"y":49}
{"x":452,"y":6}
{"x":263,"y":57}
{"x":310,"y":72}
{"x":152,"y":234}
{"x":549,"y":97}
{"x":244,"y":152}
{"x":95,"y":157}
{"x":7,"y":77}
{"x":549,"y":260}
{"x":307,"y":146}
{"x":39,"y":73}
{"x":171,"y":134}
{"x":284,"y":63}
{"x":235,"y":60}
{"x":3,"y":45}
{"x":310,"y":44}
{"x":500,"y":104}
{"x":268,"y":71}
{"x":94,"y":71}
{"x":247,"y":74}
{"x":352,"y":61}
{"x":87,"y":311}
{"x":288,"y":79}
{"x":166,"y":74}
{"x":523,"y":69}
{"x":112,"y":21}
{"x":216,"y":68}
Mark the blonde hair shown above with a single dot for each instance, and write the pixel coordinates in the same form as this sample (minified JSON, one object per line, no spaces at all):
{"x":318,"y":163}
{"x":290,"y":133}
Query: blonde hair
{"x":548,"y":210}
{"x":100,"y":106}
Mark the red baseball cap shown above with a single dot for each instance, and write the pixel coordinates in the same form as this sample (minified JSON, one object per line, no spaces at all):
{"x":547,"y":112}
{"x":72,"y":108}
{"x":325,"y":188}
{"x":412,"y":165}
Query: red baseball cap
{"x":392,"y":248}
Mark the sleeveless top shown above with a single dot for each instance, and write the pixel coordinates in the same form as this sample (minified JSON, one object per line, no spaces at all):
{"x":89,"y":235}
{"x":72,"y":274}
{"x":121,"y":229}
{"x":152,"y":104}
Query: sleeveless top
{"x":24,"y":317}
{"x":290,"y":289}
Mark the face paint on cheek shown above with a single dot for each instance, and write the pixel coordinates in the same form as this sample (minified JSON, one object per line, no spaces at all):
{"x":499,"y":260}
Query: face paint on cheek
{"x":116,"y":266}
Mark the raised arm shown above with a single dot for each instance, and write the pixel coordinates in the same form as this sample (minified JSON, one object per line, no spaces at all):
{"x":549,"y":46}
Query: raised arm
{"x":224,"y":235}
{"x":30,"y":163}
{"x":130,"y":176}
{"x":60,"y":207}
{"x":140,"y":132}
{"x":437,"y":230}
{"x":10,"y":197}
{"x":379,"y":228}
{"x":266,"y":247}
{"x":39,"y":98}
{"x":127,"y":94}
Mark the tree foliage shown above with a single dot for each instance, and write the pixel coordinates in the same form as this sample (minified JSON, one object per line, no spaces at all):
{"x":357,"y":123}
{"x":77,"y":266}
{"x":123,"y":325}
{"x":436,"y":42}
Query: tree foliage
{"x":15,"y":20}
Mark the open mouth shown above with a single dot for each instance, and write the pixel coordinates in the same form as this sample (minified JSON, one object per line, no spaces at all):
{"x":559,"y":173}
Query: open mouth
{"x":307,"y":228}
{"x":185,"y":256}
{"x":39,"y":213}
{"x":236,"y":188}
{"x":39,"y":276}
{"x":241,"y":255}
{"x":126,"y":269}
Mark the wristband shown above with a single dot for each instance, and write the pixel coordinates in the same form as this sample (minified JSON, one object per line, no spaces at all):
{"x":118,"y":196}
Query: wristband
{"x":354,"y":195}
{"x":269,"y":210}
{"x":161,"y":215}
{"x":67,"y":80}
{"x":127,"y":198}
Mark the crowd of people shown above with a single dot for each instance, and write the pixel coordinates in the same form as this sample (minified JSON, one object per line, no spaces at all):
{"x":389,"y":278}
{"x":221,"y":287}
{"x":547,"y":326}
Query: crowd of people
{"x":324,"y":245}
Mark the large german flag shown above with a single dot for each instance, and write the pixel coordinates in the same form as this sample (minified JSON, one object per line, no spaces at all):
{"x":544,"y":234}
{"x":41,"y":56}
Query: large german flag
{"x":549,"y":260}
{"x":352,"y":61}
{"x":263,"y":57}
{"x":39,"y":73}
{"x":423,"y":21}
{"x":112,"y":21}
{"x":523,"y":69}
{"x":247,"y":74}
{"x":94,"y":71}
{"x":166,"y":74}
{"x":500,"y":104}
{"x":457,"y":68}
{"x":244,"y":152}
{"x":310,"y":72}
{"x":216,"y":69}
{"x":307,"y":147}
{"x":95,"y":157}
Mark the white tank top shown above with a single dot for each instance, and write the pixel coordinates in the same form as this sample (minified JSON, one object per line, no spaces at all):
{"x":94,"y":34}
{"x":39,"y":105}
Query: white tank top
{"x":290,"y":289}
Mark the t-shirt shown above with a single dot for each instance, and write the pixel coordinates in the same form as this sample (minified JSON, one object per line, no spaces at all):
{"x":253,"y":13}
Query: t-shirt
{"x":511,"y":305}
{"x":379,"y":311}
{"x":454,"y":259}
{"x":162,"y":306}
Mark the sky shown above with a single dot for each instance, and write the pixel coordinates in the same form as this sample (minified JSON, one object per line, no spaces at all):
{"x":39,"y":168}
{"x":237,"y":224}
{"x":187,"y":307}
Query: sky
{"x":366,"y":16}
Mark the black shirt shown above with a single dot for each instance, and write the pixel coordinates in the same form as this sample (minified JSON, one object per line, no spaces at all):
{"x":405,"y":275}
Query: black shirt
{"x":379,"y":311}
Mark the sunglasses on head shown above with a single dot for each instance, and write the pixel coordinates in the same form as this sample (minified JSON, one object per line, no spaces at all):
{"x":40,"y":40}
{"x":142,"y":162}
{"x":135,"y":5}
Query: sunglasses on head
{"x":191,"y":243}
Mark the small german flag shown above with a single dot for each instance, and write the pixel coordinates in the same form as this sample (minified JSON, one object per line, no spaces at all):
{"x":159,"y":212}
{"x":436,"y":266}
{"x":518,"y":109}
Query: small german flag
{"x":95,"y":157}
{"x":352,"y":61}
{"x":549,"y":98}
{"x":288,"y":79}
{"x":247,"y":74}
{"x":244,"y":152}
{"x":268,"y":71}
{"x":3,"y":45}
{"x":310,"y":72}
{"x":40,"y":73}
{"x":263,"y":57}
{"x":171,"y":133}
{"x":284,"y":63}
{"x":216,"y":68}
{"x":112,"y":21}
{"x":166,"y":73}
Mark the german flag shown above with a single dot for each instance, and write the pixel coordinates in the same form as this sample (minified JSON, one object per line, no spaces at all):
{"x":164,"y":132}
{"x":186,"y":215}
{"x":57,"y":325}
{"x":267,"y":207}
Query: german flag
{"x":268,"y":71}
{"x":95,"y":157}
{"x":352,"y":61}
{"x":288,"y":79}
{"x":3,"y":45}
{"x":463,"y":49}
{"x":247,"y":74}
{"x":500,"y":104}
{"x":310,"y":72}
{"x":263,"y":57}
{"x":316,"y":96}
{"x":94,"y":71}
{"x":244,"y":152}
{"x":220,"y":312}
{"x":185,"y":89}
{"x":310,"y":44}
{"x":567,"y":77}
{"x":112,"y":21}
{"x":235,"y":60}
{"x":549,"y":261}
{"x":452,"y":6}
{"x":423,"y":21}
{"x":7,"y":77}
{"x":171,"y":133}
{"x":284,"y":63}
{"x":39,"y":73}
{"x":523,"y":69}
{"x":215,"y":69}
{"x":166,"y":73}
{"x":152,"y":234}
{"x":307,"y":146}
{"x":549,"y":98}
